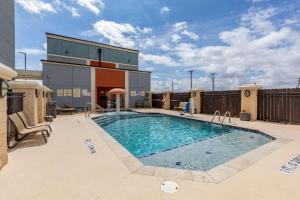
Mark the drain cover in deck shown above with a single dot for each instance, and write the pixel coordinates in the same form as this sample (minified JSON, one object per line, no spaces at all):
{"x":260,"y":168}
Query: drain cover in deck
{"x":169,"y":187}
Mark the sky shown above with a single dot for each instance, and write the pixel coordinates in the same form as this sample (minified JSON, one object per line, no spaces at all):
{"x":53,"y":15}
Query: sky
{"x":242,"y":41}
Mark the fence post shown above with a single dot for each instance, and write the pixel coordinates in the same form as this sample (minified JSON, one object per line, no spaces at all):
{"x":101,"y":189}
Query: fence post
{"x":196,"y":96}
{"x":249,"y":99}
{"x":6,"y":73}
{"x":31,"y":92}
{"x":150,"y":99}
{"x":166,"y":100}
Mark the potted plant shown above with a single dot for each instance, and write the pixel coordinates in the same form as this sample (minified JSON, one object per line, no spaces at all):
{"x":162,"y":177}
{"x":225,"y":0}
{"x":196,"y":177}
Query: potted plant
{"x":244,"y":116}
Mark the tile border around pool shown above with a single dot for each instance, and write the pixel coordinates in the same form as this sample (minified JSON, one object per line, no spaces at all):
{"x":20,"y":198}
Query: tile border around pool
{"x":214,"y":175}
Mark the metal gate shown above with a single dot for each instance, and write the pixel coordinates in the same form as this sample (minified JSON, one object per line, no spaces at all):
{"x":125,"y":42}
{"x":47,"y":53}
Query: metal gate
{"x":222,"y":101}
{"x":279,"y":105}
{"x":157,"y":100}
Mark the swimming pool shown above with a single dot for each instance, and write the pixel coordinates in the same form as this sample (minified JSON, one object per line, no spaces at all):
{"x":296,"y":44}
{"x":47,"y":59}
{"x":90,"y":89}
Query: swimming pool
{"x":177,"y":142}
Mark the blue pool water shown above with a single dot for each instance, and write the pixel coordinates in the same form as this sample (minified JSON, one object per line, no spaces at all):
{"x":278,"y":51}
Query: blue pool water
{"x":176,"y":142}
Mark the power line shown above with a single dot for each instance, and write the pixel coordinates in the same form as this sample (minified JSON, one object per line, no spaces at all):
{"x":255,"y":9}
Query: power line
{"x":213,"y":76}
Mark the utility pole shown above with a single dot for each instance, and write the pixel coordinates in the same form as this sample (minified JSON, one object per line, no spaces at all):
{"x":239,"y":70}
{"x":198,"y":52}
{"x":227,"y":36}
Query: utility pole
{"x":191,"y":78}
{"x":25,"y":59}
{"x":213,"y":76}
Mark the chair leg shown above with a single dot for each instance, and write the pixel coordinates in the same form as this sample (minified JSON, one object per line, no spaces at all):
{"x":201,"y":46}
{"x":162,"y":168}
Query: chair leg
{"x":50,"y":128}
{"x":48,"y":133}
{"x":45,"y":139}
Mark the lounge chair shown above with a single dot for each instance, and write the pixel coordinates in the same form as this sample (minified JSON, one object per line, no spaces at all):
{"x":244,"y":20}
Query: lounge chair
{"x":181,"y":106}
{"x":99,"y":109}
{"x":65,"y":110}
{"x":22,"y":130}
{"x":26,"y":123}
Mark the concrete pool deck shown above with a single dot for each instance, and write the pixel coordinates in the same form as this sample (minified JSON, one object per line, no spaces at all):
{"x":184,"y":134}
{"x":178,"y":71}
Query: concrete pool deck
{"x":64,"y":169}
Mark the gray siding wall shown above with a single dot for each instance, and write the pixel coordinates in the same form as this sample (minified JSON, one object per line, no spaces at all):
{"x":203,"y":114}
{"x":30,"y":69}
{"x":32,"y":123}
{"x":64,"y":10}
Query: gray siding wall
{"x":73,"y":49}
{"x":138,"y":81}
{"x":7,"y":33}
{"x":67,"y":60}
{"x":57,"y":76}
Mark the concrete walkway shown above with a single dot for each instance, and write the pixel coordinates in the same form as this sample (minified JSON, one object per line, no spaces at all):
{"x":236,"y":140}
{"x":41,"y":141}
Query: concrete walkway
{"x":64,"y":169}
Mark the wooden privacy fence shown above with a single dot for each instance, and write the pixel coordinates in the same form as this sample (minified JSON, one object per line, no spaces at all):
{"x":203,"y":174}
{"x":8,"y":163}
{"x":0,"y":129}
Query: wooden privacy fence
{"x":176,"y":98}
{"x":222,"y":101}
{"x":157,"y":100}
{"x":279,"y":105}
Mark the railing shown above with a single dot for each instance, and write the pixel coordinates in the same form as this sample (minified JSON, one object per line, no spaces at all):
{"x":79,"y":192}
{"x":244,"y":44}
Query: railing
{"x":229,"y":117}
{"x":14,"y":105}
{"x":217,"y":112}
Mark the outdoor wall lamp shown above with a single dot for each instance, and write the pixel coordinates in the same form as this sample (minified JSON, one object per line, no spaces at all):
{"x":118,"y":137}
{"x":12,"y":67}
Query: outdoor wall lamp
{"x":3,"y":88}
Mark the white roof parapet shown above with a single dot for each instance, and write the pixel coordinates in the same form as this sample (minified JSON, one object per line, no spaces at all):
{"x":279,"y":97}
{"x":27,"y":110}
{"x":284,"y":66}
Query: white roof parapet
{"x":6,"y":72}
{"x":196,"y":90}
{"x":24,"y":85}
{"x":167,"y":91}
{"x":46,"y":89}
{"x":250,"y":86}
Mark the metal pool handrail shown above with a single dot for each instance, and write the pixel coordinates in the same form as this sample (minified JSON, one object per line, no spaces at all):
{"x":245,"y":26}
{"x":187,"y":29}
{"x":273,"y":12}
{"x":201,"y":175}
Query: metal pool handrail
{"x":227,"y":113}
{"x":216,"y":112}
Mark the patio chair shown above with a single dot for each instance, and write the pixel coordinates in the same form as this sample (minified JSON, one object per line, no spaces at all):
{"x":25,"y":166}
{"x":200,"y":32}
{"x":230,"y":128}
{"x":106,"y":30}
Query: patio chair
{"x":22,"y":130}
{"x":99,"y":109}
{"x":181,"y":106}
{"x":26,"y":123}
{"x":65,"y":110}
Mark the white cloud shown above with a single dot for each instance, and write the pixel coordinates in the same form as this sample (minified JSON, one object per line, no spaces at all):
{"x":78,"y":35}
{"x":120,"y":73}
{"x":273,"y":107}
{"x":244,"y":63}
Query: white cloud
{"x":36,"y":6}
{"x":179,"y":26}
{"x":146,"y":30}
{"x":117,"y":34}
{"x":165,"y":10}
{"x":32,"y":51}
{"x":122,"y":34}
{"x":176,"y":38}
{"x":165,"y":47}
{"x":190,"y":34}
{"x":158,"y":59}
{"x":59,"y":4}
{"x":259,"y":20}
{"x":95,"y":6}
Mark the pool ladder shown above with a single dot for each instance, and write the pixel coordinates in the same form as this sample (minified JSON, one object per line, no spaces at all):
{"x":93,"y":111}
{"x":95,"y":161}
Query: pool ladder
{"x":229,"y":117}
{"x":217,"y":112}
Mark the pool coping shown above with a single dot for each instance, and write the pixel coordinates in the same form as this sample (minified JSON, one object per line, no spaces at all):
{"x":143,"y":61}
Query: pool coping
{"x":214,"y":175}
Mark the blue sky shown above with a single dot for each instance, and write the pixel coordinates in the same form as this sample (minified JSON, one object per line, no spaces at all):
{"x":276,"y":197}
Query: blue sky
{"x":243,"y":41}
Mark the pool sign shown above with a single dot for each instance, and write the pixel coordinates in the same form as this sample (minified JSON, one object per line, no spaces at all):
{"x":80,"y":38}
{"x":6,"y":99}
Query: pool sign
{"x":290,"y":166}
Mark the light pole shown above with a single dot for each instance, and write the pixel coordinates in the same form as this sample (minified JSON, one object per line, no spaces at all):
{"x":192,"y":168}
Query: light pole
{"x":172,"y":86}
{"x":191,"y":78}
{"x":213,"y":76}
{"x":25,"y":59}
